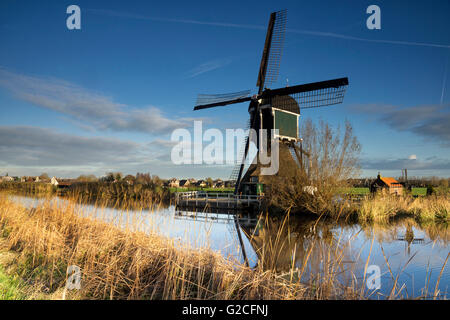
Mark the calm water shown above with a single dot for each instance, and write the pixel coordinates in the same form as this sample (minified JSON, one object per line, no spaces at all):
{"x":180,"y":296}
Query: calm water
{"x":285,"y":244}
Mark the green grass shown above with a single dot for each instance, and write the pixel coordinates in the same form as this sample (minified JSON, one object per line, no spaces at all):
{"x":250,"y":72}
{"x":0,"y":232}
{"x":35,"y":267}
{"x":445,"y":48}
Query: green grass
{"x":10,"y":287}
{"x":355,"y":191}
{"x":365,"y":191}
{"x":419,"y":191}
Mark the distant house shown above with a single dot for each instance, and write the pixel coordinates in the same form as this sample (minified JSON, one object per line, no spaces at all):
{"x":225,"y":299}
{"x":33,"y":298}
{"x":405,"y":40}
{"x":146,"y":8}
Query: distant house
{"x":53,"y":181}
{"x":6,"y":179}
{"x":201,"y":183}
{"x":184,"y":183}
{"x":174,"y":183}
{"x":229,"y":183}
{"x":66,"y":183}
{"x":218,"y":184}
{"x":387,"y":183}
{"x":37,"y":179}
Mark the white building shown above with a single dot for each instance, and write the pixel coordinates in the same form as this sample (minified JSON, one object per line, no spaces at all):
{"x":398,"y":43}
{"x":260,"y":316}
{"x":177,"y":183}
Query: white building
{"x":174,"y":183}
{"x":54,"y":182}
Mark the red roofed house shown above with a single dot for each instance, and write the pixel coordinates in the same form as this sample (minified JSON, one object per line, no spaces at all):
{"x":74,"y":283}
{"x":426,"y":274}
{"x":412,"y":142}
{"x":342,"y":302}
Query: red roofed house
{"x":387,"y":183}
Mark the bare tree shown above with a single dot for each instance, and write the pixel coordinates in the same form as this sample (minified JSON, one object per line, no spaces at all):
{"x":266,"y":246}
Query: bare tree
{"x":333,"y":159}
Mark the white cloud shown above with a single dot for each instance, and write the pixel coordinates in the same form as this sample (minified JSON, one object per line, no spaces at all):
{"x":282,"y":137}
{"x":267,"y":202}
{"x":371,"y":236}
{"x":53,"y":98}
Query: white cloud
{"x":428,"y":121}
{"x":28,"y":150}
{"x":432,"y":163}
{"x":98,"y":110}
{"x":412,"y":157}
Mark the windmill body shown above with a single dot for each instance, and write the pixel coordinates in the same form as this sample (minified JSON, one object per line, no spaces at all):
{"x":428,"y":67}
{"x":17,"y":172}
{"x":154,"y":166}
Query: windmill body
{"x":277,"y":109}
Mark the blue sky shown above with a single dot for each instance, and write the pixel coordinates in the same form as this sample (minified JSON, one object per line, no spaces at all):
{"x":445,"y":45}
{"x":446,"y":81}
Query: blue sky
{"x":108,"y":96}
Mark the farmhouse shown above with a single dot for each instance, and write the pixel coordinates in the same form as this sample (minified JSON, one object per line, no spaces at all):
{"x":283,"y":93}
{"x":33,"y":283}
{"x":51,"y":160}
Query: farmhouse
{"x":54,"y":181}
{"x":174,"y":183}
{"x":387,"y":183}
{"x":6,"y":179}
{"x":65,"y":183}
{"x":201,"y":183}
{"x":184,"y":183}
{"x":218,"y":183}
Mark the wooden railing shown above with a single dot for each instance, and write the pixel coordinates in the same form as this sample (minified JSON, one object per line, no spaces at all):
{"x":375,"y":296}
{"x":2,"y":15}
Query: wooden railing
{"x":205,"y":196}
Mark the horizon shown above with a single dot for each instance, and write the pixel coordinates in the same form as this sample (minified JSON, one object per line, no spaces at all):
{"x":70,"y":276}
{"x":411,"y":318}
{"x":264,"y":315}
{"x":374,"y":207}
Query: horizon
{"x":106,"y":98}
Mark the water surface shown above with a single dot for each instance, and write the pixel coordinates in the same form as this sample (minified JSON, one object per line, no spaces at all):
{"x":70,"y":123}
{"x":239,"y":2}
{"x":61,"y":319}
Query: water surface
{"x":404,"y":251}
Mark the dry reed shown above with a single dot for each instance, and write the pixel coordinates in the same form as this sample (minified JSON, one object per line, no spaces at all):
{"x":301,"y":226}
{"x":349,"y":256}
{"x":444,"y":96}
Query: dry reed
{"x":125,"y":263}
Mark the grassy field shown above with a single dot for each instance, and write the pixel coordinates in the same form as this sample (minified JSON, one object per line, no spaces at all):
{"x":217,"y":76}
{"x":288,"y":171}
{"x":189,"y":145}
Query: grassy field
{"x":356,"y":191}
{"x":419,"y":191}
{"x":366,"y":191}
{"x":10,"y":286}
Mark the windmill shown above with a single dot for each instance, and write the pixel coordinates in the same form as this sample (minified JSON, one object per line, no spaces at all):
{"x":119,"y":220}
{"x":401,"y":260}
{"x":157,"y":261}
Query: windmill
{"x":276,"y":108}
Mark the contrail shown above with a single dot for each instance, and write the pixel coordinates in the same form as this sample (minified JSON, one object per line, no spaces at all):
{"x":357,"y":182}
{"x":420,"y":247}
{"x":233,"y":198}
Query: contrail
{"x":444,"y":82}
{"x":141,"y":17}
{"x":257,"y":27}
{"x":343,"y":36}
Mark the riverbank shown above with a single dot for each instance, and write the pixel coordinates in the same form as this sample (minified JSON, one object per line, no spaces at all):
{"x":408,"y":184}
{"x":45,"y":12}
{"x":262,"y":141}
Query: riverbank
{"x":125,"y":263}
{"x":366,"y":207}
{"x":11,"y":286}
{"x":143,"y":194}
{"x":382,"y":208}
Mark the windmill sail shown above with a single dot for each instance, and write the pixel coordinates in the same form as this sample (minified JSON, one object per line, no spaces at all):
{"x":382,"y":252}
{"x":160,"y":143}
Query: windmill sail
{"x":320,"y":98}
{"x":273,"y":47}
{"x":311,"y":95}
{"x":205,"y":101}
{"x":278,"y":108}
{"x":268,"y":70}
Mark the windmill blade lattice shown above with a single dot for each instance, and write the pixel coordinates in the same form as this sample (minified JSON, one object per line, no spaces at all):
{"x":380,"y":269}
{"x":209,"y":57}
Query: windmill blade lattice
{"x":276,"y":48}
{"x":273,"y":47}
{"x":203,"y":99}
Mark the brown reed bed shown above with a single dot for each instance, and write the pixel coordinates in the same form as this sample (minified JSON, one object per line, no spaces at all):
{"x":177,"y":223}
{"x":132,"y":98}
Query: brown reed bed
{"x":120,"y":260}
{"x":383,"y":207}
{"x":124,"y":263}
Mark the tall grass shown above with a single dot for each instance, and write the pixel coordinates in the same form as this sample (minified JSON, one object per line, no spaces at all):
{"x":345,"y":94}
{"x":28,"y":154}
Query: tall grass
{"x":28,"y":187}
{"x":125,"y":263}
{"x":124,"y":260}
{"x":297,"y":251}
{"x":383,"y":208}
{"x":120,"y":190}
{"x":328,"y":262}
{"x":10,"y":286}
